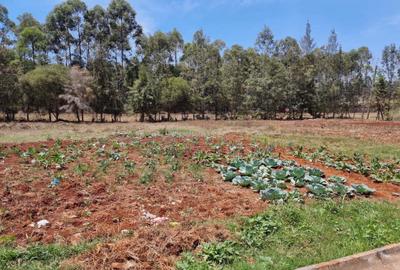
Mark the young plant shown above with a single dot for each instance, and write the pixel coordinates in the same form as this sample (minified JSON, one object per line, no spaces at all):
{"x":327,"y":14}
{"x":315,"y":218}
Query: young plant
{"x":196,"y":170}
{"x":220,"y":253}
{"x":147,"y":176}
{"x":129,"y":167}
{"x":81,"y":169}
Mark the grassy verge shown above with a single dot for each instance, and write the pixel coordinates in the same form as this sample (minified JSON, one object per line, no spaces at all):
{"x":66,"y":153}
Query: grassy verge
{"x":289,"y":236}
{"x":43,"y":257}
{"x":345,"y":145}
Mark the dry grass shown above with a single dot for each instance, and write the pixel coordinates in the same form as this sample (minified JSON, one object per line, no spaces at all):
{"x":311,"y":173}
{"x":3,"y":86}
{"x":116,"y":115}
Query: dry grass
{"x":348,"y":136}
{"x":386,"y":132}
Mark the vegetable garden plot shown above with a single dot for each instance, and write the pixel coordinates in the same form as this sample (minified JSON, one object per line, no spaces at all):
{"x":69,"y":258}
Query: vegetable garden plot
{"x":374,"y":168}
{"x":282,"y":180}
{"x":102,"y":188}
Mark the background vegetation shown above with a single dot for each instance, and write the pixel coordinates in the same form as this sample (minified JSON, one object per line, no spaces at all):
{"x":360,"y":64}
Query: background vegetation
{"x":98,"y":60}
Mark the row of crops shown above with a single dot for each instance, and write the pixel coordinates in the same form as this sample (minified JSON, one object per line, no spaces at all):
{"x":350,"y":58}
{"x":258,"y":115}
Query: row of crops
{"x":283,"y":180}
{"x":374,"y":168}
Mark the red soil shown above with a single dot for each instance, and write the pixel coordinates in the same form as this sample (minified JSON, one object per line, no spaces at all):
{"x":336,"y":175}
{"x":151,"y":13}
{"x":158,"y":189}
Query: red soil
{"x":86,"y":207}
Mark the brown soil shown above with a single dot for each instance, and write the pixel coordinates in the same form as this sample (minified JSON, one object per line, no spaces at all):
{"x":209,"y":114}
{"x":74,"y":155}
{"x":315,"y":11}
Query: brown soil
{"x":366,"y":130}
{"x":93,"y":206}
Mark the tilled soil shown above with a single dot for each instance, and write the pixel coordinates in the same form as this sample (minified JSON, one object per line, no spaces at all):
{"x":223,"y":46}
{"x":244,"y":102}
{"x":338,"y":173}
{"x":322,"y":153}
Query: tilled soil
{"x":87,"y":207}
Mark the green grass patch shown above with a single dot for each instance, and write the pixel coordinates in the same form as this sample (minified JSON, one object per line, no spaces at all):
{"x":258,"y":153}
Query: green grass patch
{"x":43,"y":257}
{"x":289,"y":236}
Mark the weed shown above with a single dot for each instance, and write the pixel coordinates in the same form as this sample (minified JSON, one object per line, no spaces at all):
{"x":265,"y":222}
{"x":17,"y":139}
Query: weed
{"x":189,"y":262}
{"x":38,"y":256}
{"x":7,"y":240}
{"x":220,"y":253}
{"x":3,"y":154}
{"x":116,"y":145}
{"x":16,"y":150}
{"x":196,"y":170}
{"x":206,"y":158}
{"x":163,"y":131}
{"x":256,"y":229}
{"x":81,"y":169}
{"x":147,"y":176}
{"x":104,"y":164}
{"x":169,"y":176}
{"x":292,"y":235}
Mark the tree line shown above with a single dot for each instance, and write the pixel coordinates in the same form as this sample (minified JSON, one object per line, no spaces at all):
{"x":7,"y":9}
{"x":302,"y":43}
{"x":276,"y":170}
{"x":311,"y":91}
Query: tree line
{"x":99,"y":60}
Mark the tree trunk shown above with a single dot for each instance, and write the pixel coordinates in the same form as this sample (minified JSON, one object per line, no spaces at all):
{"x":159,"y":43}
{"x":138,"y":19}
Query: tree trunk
{"x":82,"y":116}
{"x":69,"y":53}
{"x":80,"y":46}
{"x":77,"y":116}
{"x":88,"y":54}
{"x":50,"y":116}
{"x":33,"y":53}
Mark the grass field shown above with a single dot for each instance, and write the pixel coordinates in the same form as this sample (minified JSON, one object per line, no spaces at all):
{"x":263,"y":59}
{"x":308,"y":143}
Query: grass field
{"x":150,"y":196}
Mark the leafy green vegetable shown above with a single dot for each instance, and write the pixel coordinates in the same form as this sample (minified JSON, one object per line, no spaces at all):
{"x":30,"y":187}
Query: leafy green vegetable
{"x":337,"y":179}
{"x":273,"y":194}
{"x":259,"y":184}
{"x":299,"y":182}
{"x":342,"y":190}
{"x":319,"y":190}
{"x":363,"y":189}
{"x":298,"y":173}
{"x":314,"y":179}
{"x":315,"y":172}
{"x":247,"y":170}
{"x":228,"y":175}
{"x":272,"y":163}
{"x":237,"y":163}
{"x":259,"y":175}
{"x":243,"y":181}
{"x":280,"y":175}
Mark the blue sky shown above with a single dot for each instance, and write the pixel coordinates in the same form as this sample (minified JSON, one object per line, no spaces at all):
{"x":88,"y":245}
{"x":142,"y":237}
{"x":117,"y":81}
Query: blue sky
{"x":357,"y":22}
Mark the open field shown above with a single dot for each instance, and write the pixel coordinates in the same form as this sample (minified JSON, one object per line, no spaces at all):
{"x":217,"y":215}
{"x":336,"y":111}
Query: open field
{"x":161,"y":196}
{"x":371,"y":137}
